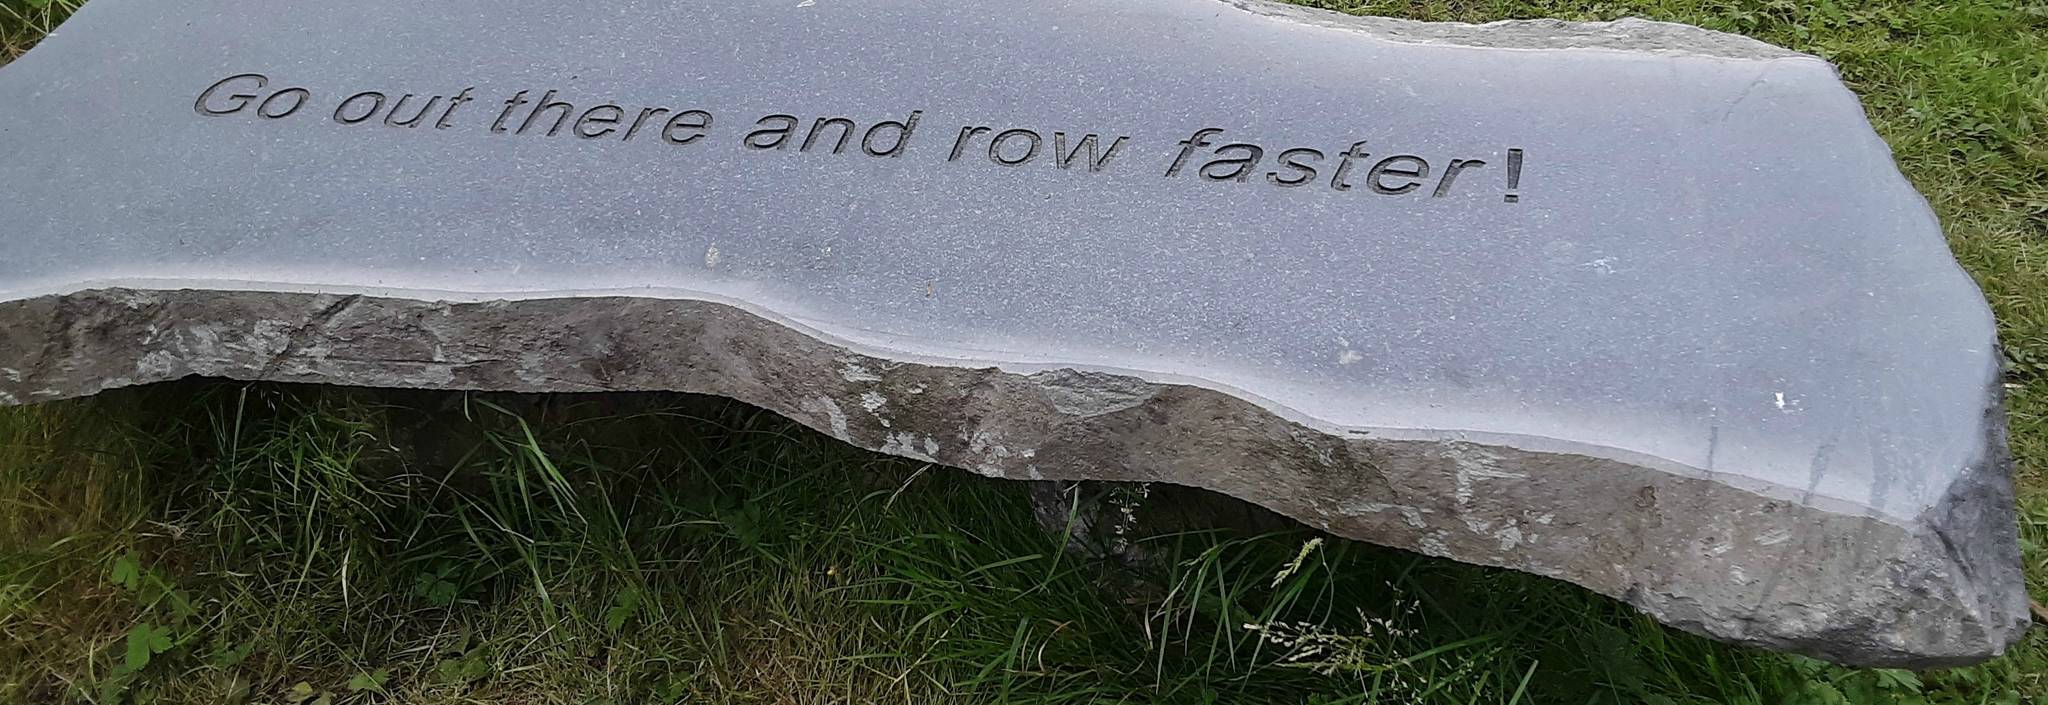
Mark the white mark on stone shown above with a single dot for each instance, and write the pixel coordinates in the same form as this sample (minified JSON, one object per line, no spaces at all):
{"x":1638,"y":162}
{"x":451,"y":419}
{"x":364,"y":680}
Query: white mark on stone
{"x":1412,"y":515}
{"x":269,"y":335}
{"x":1773,"y":537}
{"x":1477,"y":526}
{"x":1325,"y":456}
{"x":1789,"y":406}
{"x":1720,"y":548}
{"x":917,"y":389}
{"x":437,"y":372}
{"x":1031,"y":471}
{"x":989,"y":455}
{"x":1735,"y":573}
{"x":711,"y":257}
{"x":906,"y":445}
{"x":1546,"y":518}
{"x":1348,"y":357}
{"x":1604,"y":265}
{"x":1434,"y":545}
{"x":533,"y":366}
{"x":874,"y":401}
{"x":158,"y":364}
{"x":12,"y":375}
{"x":6,"y":398}
{"x":1509,"y":537}
{"x":910,"y":446}
{"x":1473,"y":464}
{"x":835,"y":417}
{"x":853,"y":372}
{"x":207,"y":339}
{"x":982,"y":442}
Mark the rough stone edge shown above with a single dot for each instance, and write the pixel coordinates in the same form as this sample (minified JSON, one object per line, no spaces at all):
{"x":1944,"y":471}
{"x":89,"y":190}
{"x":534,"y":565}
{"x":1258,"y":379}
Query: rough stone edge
{"x":1629,"y":34}
{"x":1693,"y":553}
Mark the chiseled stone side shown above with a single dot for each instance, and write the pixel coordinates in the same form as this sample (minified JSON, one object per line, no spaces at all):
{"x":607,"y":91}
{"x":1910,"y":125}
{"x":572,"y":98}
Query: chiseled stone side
{"x":1692,"y":552}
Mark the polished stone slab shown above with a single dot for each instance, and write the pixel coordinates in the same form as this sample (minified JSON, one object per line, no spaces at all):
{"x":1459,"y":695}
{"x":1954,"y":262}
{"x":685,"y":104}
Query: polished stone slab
{"x":1636,"y":305}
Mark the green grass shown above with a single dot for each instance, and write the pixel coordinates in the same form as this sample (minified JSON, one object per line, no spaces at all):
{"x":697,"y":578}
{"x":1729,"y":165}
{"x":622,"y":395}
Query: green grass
{"x":23,"y":22}
{"x":225,"y":543}
{"x":201,"y":542}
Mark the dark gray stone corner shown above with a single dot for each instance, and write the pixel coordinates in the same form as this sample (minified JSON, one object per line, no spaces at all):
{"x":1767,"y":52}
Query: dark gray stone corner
{"x":1846,"y":586}
{"x":1976,"y":527}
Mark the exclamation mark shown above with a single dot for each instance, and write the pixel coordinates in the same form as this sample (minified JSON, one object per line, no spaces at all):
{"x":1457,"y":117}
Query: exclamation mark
{"x":1514,"y":176}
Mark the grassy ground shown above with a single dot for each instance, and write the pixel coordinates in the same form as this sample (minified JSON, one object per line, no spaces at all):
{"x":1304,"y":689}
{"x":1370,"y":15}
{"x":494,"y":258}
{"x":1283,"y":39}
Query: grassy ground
{"x":222,"y":543}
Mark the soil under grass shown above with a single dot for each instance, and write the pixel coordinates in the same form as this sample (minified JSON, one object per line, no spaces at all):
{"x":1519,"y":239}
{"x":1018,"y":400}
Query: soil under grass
{"x":214,"y":542}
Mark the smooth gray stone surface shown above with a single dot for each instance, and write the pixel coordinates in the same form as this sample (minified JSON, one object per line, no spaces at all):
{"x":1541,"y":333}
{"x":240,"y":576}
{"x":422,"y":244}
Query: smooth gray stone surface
{"x":1685,"y":337}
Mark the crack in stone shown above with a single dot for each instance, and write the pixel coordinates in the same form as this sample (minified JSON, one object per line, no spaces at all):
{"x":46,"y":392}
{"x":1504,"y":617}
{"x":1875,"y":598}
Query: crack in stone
{"x":316,"y":321}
